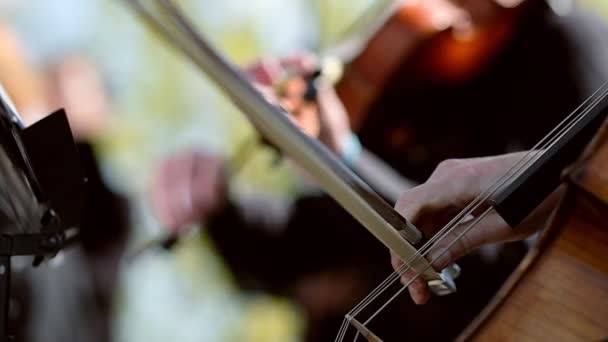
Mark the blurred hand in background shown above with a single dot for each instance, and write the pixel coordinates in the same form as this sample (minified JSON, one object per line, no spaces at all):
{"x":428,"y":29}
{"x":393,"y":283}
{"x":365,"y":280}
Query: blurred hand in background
{"x":188,"y":187}
{"x":286,"y":81}
{"x":191,"y":185}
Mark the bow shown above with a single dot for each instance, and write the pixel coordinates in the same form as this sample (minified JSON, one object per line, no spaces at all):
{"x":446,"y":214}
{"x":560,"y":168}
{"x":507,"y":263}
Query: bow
{"x":343,"y":185}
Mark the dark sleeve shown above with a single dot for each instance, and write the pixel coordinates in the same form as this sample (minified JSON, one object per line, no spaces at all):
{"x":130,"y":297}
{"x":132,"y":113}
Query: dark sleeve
{"x":104,"y":224}
{"x":267,"y":241}
{"x":316,"y":235}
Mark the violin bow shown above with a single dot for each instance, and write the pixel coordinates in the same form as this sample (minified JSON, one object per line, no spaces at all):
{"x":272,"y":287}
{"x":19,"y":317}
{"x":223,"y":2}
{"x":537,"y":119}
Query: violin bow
{"x":352,"y":193}
{"x":343,"y":185}
{"x":333,"y":54}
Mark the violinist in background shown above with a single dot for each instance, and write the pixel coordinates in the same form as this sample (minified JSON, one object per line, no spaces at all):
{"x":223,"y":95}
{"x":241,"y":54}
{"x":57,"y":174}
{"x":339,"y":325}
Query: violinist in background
{"x":503,"y":75}
{"x":25,"y":85}
{"x":27,"y":89}
{"x":71,"y":300}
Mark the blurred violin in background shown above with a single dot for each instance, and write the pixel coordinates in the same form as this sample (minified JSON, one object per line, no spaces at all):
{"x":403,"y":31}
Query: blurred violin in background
{"x":438,"y":41}
{"x":445,"y":73}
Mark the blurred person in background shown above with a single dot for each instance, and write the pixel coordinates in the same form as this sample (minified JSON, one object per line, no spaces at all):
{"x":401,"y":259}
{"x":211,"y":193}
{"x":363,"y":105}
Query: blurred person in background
{"x":27,"y":89}
{"x":68,"y":299}
{"x":73,"y":300}
{"x":24,"y":83}
{"x":552,"y":57}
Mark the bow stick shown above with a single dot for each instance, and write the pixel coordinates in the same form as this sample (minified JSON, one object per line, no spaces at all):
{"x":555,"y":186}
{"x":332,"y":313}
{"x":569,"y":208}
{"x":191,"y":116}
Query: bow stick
{"x":344,"y":186}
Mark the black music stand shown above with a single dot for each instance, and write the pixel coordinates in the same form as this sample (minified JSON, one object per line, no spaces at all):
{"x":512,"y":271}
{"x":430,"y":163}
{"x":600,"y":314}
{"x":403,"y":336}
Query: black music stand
{"x":45,"y":162}
{"x":43,"y":244}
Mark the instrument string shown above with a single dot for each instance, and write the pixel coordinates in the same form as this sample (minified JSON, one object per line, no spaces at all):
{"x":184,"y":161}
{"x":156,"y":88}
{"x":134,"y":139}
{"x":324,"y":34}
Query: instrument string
{"x":457,"y":220}
{"x":407,"y":264}
{"x":467,"y":210}
{"x":535,"y":153}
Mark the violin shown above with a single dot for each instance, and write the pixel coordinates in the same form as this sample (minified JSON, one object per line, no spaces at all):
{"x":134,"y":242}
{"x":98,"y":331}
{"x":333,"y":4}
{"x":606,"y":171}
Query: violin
{"x":437,"y":41}
{"x":569,"y":262}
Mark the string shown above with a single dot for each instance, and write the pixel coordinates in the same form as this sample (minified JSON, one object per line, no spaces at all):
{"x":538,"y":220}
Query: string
{"x":557,"y":138}
{"x":177,"y":40}
{"x":529,"y":158}
{"x":478,"y":199}
{"x":557,"y":132}
{"x":539,"y":144}
{"x":345,"y":323}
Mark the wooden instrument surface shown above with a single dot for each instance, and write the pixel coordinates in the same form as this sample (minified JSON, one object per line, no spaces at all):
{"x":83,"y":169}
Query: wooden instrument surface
{"x":436,"y":37}
{"x":560,"y":290}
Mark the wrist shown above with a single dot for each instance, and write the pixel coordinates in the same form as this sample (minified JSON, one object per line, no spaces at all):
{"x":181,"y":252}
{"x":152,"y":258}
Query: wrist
{"x":351,"y":149}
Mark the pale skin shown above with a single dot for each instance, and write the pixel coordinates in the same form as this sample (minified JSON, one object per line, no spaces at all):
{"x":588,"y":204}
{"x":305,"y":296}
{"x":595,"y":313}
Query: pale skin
{"x":450,"y":188}
{"x":189,"y":186}
{"x":325,"y":119}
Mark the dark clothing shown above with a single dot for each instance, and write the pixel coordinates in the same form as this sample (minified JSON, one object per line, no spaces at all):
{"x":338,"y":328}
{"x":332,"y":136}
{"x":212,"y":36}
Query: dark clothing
{"x":550,"y":66}
{"x":72,"y":300}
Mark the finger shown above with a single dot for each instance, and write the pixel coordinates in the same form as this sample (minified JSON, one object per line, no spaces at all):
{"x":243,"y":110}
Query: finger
{"x":308,"y":120}
{"x":171,"y":181}
{"x":458,"y":242}
{"x":331,"y":108}
{"x":207,"y":187}
{"x":432,"y":204}
{"x":159,"y":194}
{"x":419,"y":291}
{"x":289,"y":106}
{"x":301,"y":63}
{"x":266,"y":91}
{"x":267,"y":71}
{"x":270,"y":95}
{"x":186,"y":191}
{"x":172,"y":176}
{"x":412,"y":201}
{"x":163,"y":194}
{"x":329,"y":100}
{"x":417,"y":288}
{"x":466,"y":237}
{"x":180,"y":192}
{"x":396,"y":261}
{"x":294,"y":89}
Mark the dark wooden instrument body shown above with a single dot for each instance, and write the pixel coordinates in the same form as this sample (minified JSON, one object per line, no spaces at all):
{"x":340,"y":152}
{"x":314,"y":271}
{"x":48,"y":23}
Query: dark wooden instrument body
{"x":560,"y":290}
{"x":411,"y":37}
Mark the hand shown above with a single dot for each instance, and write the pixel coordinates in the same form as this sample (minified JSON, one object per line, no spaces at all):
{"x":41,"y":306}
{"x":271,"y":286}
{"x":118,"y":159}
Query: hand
{"x":188,"y":188}
{"x":451,"y":187}
{"x":279,"y":80}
